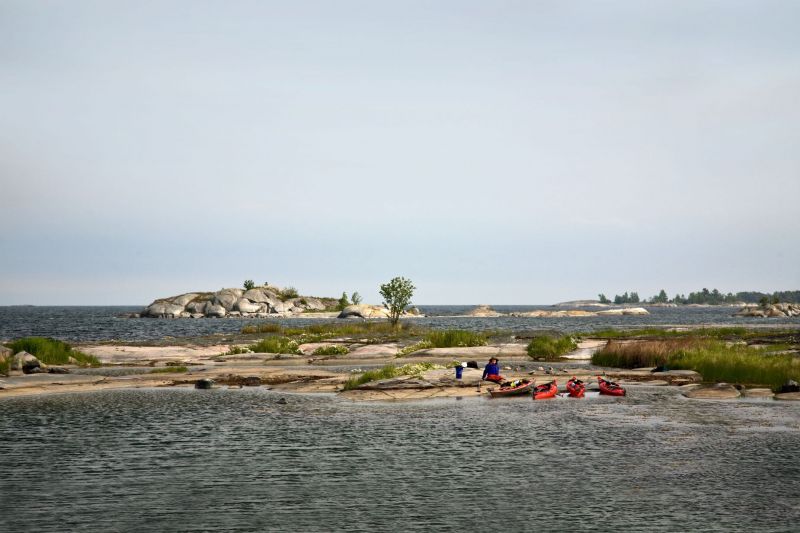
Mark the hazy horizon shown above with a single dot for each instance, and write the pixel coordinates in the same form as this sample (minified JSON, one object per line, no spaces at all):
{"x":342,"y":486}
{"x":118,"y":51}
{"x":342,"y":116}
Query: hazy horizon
{"x":495,"y":153}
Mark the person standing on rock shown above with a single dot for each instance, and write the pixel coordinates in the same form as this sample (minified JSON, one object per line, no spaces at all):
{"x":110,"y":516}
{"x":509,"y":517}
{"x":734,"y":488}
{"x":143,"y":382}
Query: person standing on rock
{"x":491,"y":371}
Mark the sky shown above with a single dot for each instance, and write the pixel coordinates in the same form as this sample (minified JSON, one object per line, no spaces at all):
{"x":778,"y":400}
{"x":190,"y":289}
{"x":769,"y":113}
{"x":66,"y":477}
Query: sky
{"x":501,"y":152}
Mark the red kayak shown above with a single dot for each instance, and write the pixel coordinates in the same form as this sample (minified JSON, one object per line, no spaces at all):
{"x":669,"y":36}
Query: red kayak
{"x":610,"y":388}
{"x":545,"y":390}
{"x":576,"y":388}
{"x":515,"y":388}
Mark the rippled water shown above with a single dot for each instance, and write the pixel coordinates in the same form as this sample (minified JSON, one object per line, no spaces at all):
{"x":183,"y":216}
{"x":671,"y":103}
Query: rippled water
{"x":236,"y":460}
{"x":102,"y":323}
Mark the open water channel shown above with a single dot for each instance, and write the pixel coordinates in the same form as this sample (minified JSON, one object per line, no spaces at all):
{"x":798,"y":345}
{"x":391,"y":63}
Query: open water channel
{"x":240,"y":460}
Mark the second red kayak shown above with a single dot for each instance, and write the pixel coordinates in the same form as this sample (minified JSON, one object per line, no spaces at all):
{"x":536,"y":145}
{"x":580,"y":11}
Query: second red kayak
{"x":545,"y":390}
{"x":610,"y":388}
{"x":576,"y":388}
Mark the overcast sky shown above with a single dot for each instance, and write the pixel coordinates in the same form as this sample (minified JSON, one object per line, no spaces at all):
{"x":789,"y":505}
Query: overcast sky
{"x":501,"y":152}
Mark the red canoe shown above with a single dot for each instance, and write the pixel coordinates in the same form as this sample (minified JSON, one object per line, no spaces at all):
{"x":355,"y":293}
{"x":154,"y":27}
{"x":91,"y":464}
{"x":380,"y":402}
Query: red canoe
{"x":610,"y":388}
{"x":545,"y":390}
{"x":576,"y":388}
{"x":521,"y":386}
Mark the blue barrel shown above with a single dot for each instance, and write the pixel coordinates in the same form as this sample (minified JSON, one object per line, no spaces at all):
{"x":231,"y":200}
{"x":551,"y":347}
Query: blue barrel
{"x":459,"y":371}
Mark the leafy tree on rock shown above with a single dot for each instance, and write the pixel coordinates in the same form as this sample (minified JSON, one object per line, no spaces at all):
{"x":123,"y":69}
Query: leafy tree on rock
{"x":343,"y":302}
{"x":356,"y":298}
{"x":603,"y":299}
{"x":249,"y":284}
{"x":397,"y":296}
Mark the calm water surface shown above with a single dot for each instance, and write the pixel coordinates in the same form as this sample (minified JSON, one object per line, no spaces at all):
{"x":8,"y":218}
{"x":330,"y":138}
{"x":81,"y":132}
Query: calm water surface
{"x":237,"y":460}
{"x":80,"y":324}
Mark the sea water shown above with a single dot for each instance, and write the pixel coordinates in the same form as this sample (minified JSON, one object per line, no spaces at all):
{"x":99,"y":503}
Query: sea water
{"x":242,"y":460}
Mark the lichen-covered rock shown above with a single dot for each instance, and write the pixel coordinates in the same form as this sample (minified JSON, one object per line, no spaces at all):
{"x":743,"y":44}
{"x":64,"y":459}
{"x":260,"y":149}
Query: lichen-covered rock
{"x":780,"y":310}
{"x":216,"y":311}
{"x":227,"y":298}
{"x":280,"y":307}
{"x":26,"y":362}
{"x":184,"y":299}
{"x":261,"y":296}
{"x":720,"y":391}
{"x":246,"y":306}
{"x":364,"y":311}
{"x":625,"y":311}
{"x":313,"y":304}
{"x":483,"y":311}
{"x":198,"y":306}
{"x":164,"y":309}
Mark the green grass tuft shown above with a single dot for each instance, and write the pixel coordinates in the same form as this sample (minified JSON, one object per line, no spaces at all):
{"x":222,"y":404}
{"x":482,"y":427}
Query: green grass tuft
{"x":389,"y":371}
{"x":455,"y":338}
{"x":5,"y":366}
{"x":52,"y":351}
{"x":546,"y":346}
{"x":417,"y":346}
{"x":331,"y":349}
{"x":275,"y":345}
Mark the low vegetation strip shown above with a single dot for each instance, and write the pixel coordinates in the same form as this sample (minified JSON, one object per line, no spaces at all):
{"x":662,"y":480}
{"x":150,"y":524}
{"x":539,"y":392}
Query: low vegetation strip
{"x":327,"y":330}
{"x":547,"y":346}
{"x":275,"y":345}
{"x":453,"y":338}
{"x":388,"y":372}
{"x":732,"y":332}
{"x":52,"y":352}
{"x":169,"y":370}
{"x":715,"y":360}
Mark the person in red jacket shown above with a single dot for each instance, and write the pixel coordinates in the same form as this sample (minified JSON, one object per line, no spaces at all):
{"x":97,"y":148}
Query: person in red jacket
{"x":491,"y":371}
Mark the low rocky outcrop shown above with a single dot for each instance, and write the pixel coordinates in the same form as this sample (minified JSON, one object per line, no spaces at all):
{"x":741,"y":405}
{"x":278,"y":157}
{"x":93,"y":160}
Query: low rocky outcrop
{"x":771,"y":311}
{"x":232,"y":302}
{"x":566,"y":313}
{"x":624,"y":311}
{"x":719,"y":391}
{"x":483,"y":311}
{"x":364,"y":311}
{"x":26,"y":362}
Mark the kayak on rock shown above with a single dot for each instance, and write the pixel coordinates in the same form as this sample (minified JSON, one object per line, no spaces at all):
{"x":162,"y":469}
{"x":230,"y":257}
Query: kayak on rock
{"x":610,"y":388}
{"x":545,"y":390}
{"x":576,"y":388}
{"x":512,"y":388}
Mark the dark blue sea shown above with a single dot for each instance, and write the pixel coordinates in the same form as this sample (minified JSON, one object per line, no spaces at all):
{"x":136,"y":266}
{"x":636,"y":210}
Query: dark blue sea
{"x":81,"y":324}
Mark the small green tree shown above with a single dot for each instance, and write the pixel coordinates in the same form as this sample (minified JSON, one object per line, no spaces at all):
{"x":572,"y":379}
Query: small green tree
{"x":397,"y":296}
{"x":603,"y":299}
{"x":763,"y":301}
{"x":249,"y":284}
{"x":343,"y":302}
{"x":356,"y":298}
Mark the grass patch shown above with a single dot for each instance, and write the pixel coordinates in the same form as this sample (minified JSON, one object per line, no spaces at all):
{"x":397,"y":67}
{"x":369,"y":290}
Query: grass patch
{"x":52,"y":351}
{"x":331,"y":349}
{"x":715,"y":360}
{"x":327,"y":330}
{"x":5,"y":366}
{"x":169,"y":370}
{"x":417,"y":346}
{"x":735,"y":332}
{"x":389,"y":371}
{"x":275,"y":345}
{"x":547,"y":346}
{"x":237,"y":350}
{"x":455,"y":338}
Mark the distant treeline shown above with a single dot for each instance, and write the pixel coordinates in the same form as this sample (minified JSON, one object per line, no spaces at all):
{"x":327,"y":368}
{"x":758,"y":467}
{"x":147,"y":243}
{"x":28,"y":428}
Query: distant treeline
{"x":712,"y":297}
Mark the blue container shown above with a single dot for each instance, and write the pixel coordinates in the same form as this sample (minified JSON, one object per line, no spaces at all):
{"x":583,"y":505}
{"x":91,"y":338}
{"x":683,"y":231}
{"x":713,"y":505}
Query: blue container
{"x":459,"y":371}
